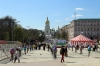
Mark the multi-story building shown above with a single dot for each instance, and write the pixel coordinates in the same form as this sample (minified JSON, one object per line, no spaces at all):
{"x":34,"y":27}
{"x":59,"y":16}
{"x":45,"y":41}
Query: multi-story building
{"x":88,"y":27}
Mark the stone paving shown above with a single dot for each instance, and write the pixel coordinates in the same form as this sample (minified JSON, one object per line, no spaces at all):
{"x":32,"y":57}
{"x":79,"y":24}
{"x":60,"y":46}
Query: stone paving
{"x":76,"y":59}
{"x":44,"y":58}
{"x":37,"y":58}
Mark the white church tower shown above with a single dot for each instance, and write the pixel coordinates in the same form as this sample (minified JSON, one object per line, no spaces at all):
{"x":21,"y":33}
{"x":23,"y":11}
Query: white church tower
{"x":47,"y":29}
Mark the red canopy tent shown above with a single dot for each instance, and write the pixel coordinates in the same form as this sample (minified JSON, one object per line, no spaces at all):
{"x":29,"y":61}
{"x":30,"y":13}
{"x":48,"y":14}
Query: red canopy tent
{"x":81,"y":40}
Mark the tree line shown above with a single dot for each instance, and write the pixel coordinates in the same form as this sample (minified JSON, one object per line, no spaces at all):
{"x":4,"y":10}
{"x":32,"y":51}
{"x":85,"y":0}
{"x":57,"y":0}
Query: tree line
{"x":11,"y":31}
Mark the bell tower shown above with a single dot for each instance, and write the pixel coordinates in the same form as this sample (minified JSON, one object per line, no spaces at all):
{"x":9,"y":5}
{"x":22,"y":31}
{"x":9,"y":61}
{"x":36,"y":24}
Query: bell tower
{"x":47,"y":28}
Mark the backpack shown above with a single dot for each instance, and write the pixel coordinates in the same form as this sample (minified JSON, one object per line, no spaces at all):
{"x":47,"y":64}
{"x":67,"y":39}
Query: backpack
{"x":12,"y":51}
{"x":89,"y":48}
{"x":55,"y":49}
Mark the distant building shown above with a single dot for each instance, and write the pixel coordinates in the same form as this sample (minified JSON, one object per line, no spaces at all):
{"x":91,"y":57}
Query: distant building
{"x":88,"y":27}
{"x":47,"y":29}
{"x":48,"y":32}
{"x":52,"y":32}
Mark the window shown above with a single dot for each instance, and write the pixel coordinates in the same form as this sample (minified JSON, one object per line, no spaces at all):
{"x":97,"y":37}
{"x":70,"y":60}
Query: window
{"x":97,"y":29}
{"x":88,"y":33}
{"x":84,"y":33}
{"x":94,"y":29}
{"x":97,"y":33}
{"x":91,"y":29}
{"x":76,"y":29}
{"x":81,"y":29}
{"x":91,"y":33}
{"x":88,"y":29}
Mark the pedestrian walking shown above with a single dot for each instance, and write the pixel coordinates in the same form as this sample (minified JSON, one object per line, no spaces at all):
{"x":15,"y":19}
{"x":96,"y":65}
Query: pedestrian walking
{"x":75,"y":48}
{"x":19,"y":51}
{"x":72,"y":47}
{"x":12,"y":51}
{"x":30,"y":47}
{"x":44,"y":47}
{"x":25,"y":49}
{"x":66,"y":51}
{"x":48,"y":47}
{"x":89,"y":50}
{"x":17,"y":56}
{"x":55,"y":52}
{"x":62,"y":52}
{"x":81,"y":49}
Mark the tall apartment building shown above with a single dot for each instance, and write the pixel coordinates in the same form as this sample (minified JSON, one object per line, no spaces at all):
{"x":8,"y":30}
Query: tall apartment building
{"x":88,"y":27}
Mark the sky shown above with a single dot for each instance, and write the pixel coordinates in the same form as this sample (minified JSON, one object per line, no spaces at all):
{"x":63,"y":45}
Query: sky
{"x":33,"y":13}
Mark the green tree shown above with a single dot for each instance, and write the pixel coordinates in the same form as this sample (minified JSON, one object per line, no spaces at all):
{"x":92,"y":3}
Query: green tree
{"x":18,"y":33}
{"x":6,"y":36}
{"x":64,"y":35}
{"x":7,"y":25}
{"x":57,"y":34}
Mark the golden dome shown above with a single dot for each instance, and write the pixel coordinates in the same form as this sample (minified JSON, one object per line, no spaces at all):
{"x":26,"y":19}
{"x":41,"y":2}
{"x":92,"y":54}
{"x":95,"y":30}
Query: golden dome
{"x":47,"y":21}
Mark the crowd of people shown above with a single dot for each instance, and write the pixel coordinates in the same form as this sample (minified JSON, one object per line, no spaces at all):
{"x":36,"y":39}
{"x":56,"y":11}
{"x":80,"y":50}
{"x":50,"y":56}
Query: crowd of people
{"x":16,"y":53}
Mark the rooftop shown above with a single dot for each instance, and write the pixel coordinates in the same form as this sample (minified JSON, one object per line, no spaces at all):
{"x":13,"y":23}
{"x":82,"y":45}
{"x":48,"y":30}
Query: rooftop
{"x":88,"y":19}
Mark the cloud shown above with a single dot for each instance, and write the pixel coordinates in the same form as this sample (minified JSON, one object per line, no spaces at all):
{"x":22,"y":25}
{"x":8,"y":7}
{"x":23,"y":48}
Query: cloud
{"x":79,"y":9}
{"x":66,"y":19}
{"x":58,"y":21}
{"x":78,"y":15}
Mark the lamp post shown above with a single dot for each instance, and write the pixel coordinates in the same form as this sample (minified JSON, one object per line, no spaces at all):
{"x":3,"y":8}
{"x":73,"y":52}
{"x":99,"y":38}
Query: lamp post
{"x":13,"y":25}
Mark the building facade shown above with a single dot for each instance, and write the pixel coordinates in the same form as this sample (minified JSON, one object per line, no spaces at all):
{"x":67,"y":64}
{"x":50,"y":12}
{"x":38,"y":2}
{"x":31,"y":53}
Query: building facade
{"x":88,"y":27}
